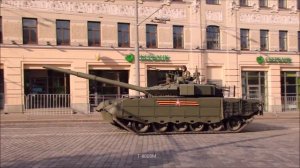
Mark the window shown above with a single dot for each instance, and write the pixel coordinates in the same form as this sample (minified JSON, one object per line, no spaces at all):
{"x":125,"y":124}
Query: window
{"x":299,"y":41}
{"x":1,"y":37}
{"x":155,"y":77}
{"x":213,"y":37}
{"x":282,"y":40}
{"x":94,"y":34}
{"x":29,"y":31}
{"x":245,"y":39}
{"x":264,"y":40}
{"x":151,"y":36}
{"x":123,"y":35}
{"x":282,"y":3}
{"x":212,"y":1}
{"x":101,"y":88}
{"x":243,"y":2}
{"x":178,"y":37}
{"x":290,"y":90}
{"x":263,"y":3}
{"x":63,"y":32}
{"x":47,"y":82}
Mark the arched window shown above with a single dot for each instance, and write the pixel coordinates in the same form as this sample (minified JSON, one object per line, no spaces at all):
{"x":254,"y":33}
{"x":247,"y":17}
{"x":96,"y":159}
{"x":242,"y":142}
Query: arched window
{"x":213,"y":37}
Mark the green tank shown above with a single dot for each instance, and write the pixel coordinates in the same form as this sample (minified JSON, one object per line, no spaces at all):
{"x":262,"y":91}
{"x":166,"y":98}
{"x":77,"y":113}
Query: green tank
{"x":180,"y":105}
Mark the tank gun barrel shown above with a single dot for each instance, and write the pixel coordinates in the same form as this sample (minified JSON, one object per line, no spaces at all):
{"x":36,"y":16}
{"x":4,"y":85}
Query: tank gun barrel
{"x":97,"y":78}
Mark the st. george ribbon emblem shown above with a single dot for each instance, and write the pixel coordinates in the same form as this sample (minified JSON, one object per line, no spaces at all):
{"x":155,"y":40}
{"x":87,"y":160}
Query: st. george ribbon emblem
{"x":177,"y":102}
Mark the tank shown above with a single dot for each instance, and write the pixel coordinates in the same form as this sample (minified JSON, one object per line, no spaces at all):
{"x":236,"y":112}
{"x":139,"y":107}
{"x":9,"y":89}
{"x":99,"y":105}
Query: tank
{"x":180,"y":105}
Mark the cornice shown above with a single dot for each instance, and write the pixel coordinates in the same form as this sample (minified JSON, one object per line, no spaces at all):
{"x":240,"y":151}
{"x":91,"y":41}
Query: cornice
{"x":94,"y":7}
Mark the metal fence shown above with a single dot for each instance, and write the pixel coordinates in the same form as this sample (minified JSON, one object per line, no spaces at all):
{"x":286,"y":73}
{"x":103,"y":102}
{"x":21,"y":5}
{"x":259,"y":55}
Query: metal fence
{"x":290,"y":103}
{"x":279,"y":104}
{"x":95,"y":99}
{"x":60,"y":103}
{"x":229,"y":91}
{"x":49,"y":103}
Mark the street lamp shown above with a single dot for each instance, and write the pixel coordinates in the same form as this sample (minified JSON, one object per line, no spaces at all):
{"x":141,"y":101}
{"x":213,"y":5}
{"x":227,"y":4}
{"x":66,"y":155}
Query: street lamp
{"x":137,"y":50}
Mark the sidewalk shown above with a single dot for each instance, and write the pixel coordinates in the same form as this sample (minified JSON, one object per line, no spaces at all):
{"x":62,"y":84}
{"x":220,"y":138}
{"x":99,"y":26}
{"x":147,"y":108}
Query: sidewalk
{"x":96,"y":117}
{"x":279,"y":115}
{"x":22,"y":117}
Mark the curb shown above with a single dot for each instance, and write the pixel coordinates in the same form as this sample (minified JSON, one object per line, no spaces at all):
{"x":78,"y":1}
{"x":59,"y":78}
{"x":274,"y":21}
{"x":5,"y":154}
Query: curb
{"x":96,"y":118}
{"x":24,"y":118}
{"x":51,"y":121}
{"x":264,"y":118}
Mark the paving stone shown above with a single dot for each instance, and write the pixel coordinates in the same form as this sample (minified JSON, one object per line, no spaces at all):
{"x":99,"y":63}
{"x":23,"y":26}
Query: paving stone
{"x":264,"y":143}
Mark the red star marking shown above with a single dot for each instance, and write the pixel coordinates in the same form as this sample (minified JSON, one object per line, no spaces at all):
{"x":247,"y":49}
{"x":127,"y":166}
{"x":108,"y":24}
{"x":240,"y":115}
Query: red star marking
{"x":177,"y":103}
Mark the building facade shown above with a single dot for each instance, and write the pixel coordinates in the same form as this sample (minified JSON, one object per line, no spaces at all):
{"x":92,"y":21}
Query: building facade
{"x":250,"y":46}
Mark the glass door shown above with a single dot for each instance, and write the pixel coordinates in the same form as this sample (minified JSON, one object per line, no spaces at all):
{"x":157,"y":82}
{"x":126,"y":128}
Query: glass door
{"x":254,"y":86}
{"x":253,"y":92}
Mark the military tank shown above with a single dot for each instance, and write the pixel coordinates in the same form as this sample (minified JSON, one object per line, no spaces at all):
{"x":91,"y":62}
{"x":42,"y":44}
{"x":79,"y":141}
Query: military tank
{"x":178,"y":106}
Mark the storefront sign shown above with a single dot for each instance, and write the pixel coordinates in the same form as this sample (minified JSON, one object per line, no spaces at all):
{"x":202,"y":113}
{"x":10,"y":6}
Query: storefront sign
{"x":274,"y":60}
{"x":155,"y":58}
{"x":129,"y":58}
{"x":148,"y":58}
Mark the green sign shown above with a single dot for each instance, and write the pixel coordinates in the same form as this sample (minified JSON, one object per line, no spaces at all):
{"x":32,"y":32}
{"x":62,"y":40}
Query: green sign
{"x":155,"y":58}
{"x":129,"y":58}
{"x":148,"y":58}
{"x":275,"y":60}
{"x":260,"y":60}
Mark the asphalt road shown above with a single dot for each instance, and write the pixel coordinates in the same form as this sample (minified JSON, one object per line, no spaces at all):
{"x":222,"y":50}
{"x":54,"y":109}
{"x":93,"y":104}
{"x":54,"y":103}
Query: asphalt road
{"x":264,"y":143}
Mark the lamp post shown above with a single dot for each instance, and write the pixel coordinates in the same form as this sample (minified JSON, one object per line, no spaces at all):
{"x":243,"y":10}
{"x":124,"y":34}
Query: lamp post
{"x":137,"y":50}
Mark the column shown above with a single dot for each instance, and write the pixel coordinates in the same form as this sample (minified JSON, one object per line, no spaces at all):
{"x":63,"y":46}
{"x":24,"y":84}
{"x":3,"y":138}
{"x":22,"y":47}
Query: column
{"x":13,"y":86}
{"x":79,"y":89}
{"x":274,"y":89}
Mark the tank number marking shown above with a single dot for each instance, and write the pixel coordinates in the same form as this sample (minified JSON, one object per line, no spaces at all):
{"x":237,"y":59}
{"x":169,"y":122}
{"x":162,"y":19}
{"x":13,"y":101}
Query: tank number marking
{"x":177,"y":102}
{"x":147,"y":156}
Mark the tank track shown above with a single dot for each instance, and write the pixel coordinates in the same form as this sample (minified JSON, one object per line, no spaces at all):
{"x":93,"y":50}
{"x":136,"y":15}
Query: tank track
{"x":129,"y":129}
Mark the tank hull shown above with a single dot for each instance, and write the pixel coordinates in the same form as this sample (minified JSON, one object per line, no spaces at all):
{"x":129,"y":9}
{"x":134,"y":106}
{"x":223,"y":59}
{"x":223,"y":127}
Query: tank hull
{"x":178,"y":115}
{"x":163,"y":109}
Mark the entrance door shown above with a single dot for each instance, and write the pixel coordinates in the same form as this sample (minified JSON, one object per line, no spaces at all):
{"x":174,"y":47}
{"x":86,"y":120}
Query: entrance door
{"x":254,"y":86}
{"x":253,"y":92}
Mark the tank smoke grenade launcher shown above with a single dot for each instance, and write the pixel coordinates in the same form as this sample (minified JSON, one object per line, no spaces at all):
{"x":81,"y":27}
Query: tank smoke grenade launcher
{"x":178,"y":106}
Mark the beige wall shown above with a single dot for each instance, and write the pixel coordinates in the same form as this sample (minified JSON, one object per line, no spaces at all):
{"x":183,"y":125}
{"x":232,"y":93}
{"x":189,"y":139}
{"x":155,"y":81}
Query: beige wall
{"x":226,"y":63}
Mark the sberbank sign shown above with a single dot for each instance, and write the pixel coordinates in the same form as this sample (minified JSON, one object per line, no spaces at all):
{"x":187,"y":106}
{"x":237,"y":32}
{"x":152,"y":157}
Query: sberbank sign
{"x":154,"y":58}
{"x":148,"y":58}
{"x":274,"y":60}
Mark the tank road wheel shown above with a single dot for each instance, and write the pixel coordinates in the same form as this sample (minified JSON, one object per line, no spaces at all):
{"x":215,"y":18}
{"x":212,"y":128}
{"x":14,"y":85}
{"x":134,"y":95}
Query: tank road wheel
{"x":197,"y":127}
{"x":216,"y":126}
{"x":180,"y":127}
{"x":234,"y":124}
{"x":125,"y":122}
{"x":157,"y":127}
{"x":140,"y":127}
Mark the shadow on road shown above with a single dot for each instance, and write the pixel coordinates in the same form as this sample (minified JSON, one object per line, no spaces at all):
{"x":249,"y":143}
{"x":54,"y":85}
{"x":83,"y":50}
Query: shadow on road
{"x":122,"y":160}
{"x":259,"y":127}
